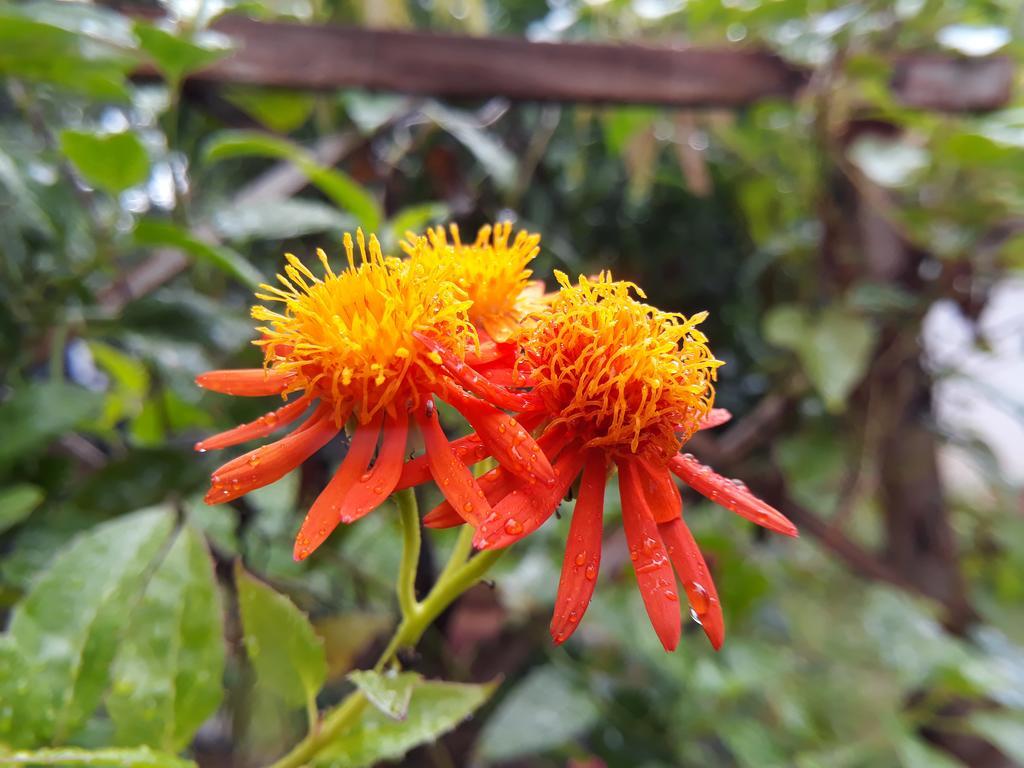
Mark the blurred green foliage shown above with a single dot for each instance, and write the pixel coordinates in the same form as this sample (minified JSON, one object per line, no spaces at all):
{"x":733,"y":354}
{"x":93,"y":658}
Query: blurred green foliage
{"x":137,"y":215}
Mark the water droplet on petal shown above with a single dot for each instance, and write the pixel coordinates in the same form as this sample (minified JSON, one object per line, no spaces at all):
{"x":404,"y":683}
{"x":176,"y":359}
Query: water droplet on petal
{"x":513,"y":527}
{"x":581,"y":558}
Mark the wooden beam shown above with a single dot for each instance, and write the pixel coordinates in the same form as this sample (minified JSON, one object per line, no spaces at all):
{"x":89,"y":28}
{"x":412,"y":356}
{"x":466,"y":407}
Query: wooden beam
{"x":443,"y":65}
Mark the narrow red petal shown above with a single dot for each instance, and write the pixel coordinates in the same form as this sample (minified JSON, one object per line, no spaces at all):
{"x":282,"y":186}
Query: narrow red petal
{"x":491,"y":352}
{"x":730,"y":494}
{"x":696,"y":579}
{"x":375,"y":486}
{"x":715,"y":418}
{"x":248,"y":382}
{"x":529,"y":505}
{"x":473,"y":381}
{"x":269,"y":463}
{"x":443,"y":516}
{"x":468,"y":449}
{"x":660,"y":489}
{"x":654,"y":575}
{"x":325,"y":514}
{"x":582,"y":550}
{"x":453,"y":478}
{"x":509,"y":442}
{"x":261,"y":427}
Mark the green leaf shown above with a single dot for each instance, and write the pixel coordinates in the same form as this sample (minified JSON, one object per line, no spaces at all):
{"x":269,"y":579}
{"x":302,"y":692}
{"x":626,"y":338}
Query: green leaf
{"x":167,"y":674}
{"x":416,"y":218}
{"x":141,"y":757}
{"x":390,"y":693}
{"x":112,"y":162}
{"x":69,"y":625}
{"x":544,"y":710}
{"x":1004,"y":729}
{"x":834,"y":347}
{"x":279,"y":220}
{"x":160,"y":232}
{"x":435,"y":709}
{"x":40,"y":51}
{"x":279,"y":109}
{"x":286,"y":653}
{"x":342,"y":190}
{"x":37,"y":413}
{"x":17,"y":503}
{"x":176,"y":56}
{"x":495,"y":158}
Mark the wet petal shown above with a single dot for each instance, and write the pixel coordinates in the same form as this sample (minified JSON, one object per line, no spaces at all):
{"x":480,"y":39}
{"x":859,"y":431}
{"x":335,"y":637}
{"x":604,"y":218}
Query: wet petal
{"x":468,"y":449}
{"x":248,"y":382}
{"x":529,"y":505}
{"x":270,"y":463}
{"x":660,"y":489}
{"x":261,"y":427}
{"x":582,"y":550}
{"x":375,"y":486}
{"x":325,"y":514}
{"x":473,"y":381}
{"x":653,"y":568}
{"x":696,"y":579}
{"x":715,"y":418}
{"x":731,"y":494}
{"x":453,"y":478}
{"x":509,"y":442}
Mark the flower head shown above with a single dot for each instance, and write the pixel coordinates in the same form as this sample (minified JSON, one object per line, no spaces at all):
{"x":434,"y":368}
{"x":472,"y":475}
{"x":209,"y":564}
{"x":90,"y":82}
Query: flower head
{"x":618,"y":383}
{"x":377,"y":342}
{"x":492,"y":271}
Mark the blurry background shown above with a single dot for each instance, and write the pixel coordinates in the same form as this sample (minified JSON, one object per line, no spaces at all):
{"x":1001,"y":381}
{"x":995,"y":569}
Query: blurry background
{"x":857,"y":235}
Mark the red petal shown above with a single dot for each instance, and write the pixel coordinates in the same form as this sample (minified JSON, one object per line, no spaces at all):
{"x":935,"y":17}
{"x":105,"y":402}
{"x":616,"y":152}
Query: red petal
{"x":325,"y":514}
{"x":509,"y":442}
{"x":526,"y":509}
{"x":491,"y":352}
{"x":261,"y":427}
{"x":732,"y":495}
{"x":375,"y":486}
{"x":469,"y":449}
{"x":716,"y":417}
{"x":453,"y":478}
{"x":473,"y":381}
{"x":660,"y":489}
{"x":653,"y":569}
{"x":443,"y":516}
{"x":269,"y":463}
{"x":582,"y":550}
{"x":696,"y":579}
{"x":250,"y":382}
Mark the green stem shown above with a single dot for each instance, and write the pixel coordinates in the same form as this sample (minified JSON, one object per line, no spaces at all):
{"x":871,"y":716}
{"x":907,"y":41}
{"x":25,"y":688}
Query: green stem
{"x":458,"y":575}
{"x":406,"y":586}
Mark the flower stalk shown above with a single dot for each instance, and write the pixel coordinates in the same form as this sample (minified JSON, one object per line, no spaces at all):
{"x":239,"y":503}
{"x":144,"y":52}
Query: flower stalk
{"x":459,"y":574}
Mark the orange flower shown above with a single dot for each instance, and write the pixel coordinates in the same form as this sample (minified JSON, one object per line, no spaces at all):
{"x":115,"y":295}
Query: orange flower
{"x":376,"y":343}
{"x":492,"y":272}
{"x":618,"y":383}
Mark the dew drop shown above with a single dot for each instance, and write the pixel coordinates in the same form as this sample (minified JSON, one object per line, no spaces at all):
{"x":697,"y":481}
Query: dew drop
{"x":364,"y":477}
{"x":573,"y":617}
{"x":513,"y":527}
{"x":699,"y":598}
{"x":581,"y":558}
{"x":467,"y":507}
{"x":591,"y":572}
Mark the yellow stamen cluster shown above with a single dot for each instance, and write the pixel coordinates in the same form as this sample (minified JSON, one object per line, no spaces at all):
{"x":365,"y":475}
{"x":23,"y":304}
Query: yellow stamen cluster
{"x":349,"y":335}
{"x":619,"y":373}
{"x":491,"y":271}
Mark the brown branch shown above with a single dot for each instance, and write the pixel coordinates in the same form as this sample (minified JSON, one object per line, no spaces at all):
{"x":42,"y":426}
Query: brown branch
{"x":330,"y":57}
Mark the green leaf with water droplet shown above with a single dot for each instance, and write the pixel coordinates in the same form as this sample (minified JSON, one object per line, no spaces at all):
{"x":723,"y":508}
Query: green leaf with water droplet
{"x":69,"y":625}
{"x":434,"y":709}
{"x":141,"y":757}
{"x":167,"y":674}
{"x":390,"y":693}
{"x":544,"y":710}
{"x":286,"y":653}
